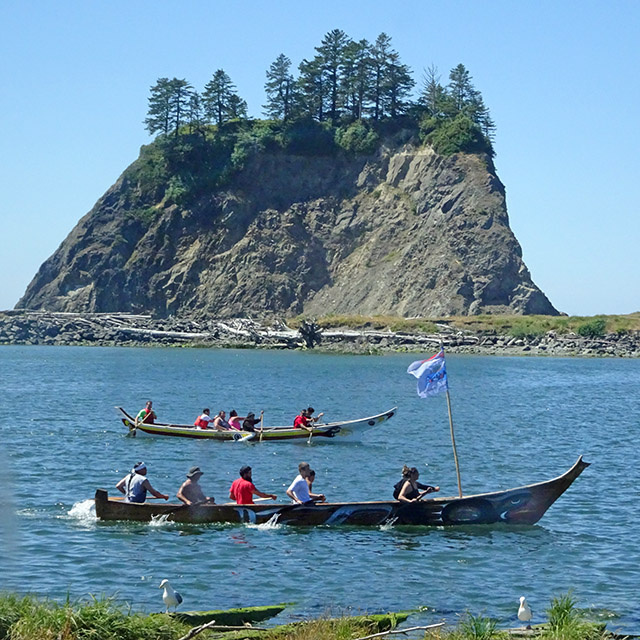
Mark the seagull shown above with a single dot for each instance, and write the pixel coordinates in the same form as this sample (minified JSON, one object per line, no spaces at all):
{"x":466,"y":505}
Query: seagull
{"x":170,"y":597}
{"x":524,"y":611}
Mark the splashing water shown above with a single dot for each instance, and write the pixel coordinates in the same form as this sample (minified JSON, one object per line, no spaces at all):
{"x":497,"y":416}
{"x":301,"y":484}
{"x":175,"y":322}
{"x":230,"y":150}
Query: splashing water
{"x":160,"y":520}
{"x":270,"y":524}
{"x":84,"y":511}
{"x":387,"y":525}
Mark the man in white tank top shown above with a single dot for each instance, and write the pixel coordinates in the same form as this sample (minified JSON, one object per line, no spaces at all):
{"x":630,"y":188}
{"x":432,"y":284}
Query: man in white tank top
{"x":135,"y":485}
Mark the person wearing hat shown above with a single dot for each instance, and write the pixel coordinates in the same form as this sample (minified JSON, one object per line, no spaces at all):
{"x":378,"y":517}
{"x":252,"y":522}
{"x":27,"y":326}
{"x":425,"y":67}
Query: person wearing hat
{"x":242,"y":489}
{"x":191,"y":492}
{"x":136,"y":484}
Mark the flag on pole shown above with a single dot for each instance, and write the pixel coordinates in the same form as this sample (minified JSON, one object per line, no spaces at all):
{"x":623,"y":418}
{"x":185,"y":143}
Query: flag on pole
{"x":431,"y":374}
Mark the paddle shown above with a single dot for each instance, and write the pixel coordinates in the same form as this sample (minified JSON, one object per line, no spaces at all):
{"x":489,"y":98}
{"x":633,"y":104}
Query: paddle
{"x":124,"y":498}
{"x":186,"y":506}
{"x":291,"y":507}
{"x":261,"y":424}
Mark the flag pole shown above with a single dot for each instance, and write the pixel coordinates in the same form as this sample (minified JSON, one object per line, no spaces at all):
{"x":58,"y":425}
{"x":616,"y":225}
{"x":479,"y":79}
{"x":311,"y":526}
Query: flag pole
{"x":453,"y":438}
{"x":453,"y":442}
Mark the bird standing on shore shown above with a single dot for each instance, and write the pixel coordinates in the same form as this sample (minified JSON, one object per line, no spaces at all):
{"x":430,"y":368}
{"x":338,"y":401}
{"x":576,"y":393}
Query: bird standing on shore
{"x":524,"y":611}
{"x":170,"y":597}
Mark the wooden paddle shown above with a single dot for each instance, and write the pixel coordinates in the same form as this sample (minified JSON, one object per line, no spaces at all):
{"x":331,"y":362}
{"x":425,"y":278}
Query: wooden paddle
{"x":291,"y":507}
{"x":125,"y":497}
{"x":186,"y":506}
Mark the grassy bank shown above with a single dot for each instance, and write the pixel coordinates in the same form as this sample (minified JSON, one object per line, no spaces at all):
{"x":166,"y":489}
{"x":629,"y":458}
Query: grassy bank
{"x":27,"y":618}
{"x":515,"y":326}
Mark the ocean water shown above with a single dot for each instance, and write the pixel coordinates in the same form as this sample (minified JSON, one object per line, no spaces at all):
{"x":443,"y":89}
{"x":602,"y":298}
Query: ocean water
{"x":517,"y":420}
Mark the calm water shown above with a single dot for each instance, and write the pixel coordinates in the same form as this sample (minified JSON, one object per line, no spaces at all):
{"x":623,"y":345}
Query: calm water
{"x":518,"y":420}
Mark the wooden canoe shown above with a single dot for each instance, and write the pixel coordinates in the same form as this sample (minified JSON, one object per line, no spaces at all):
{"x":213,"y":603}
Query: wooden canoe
{"x":328,"y":430}
{"x":523,"y":505}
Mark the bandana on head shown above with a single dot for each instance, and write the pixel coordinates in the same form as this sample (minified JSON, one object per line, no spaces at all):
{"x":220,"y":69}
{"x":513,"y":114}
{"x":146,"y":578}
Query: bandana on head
{"x":141,"y":466}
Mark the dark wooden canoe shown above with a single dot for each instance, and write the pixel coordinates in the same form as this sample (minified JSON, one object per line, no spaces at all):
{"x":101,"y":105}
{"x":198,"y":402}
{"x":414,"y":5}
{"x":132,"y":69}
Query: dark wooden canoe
{"x":523,"y":505}
{"x":327,"y":430}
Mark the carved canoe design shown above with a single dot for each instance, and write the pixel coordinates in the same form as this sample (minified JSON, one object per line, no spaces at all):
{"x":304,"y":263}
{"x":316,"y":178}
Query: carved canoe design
{"x":522,"y":505}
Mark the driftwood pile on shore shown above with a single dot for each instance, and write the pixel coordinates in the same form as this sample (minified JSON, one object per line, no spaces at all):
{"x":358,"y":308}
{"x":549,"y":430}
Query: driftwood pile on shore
{"x":121,"y":329}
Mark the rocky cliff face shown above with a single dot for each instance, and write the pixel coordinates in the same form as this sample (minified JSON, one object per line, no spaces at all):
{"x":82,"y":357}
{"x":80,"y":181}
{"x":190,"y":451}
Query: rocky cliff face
{"x":405,"y":232}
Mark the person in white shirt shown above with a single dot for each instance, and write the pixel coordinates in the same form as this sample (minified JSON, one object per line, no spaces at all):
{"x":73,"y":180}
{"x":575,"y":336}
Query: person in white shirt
{"x":299,"y":492}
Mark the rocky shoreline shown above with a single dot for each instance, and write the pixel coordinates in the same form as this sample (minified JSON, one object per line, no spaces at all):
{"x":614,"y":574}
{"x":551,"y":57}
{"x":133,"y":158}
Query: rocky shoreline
{"x":120,"y":329}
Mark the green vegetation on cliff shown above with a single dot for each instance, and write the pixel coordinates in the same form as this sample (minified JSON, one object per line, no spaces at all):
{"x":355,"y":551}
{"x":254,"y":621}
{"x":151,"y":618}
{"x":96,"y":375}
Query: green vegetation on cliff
{"x":345,"y":100}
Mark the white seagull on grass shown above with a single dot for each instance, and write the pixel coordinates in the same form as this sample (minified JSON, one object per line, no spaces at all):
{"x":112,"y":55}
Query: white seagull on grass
{"x":170,"y":597}
{"x":524,"y":611}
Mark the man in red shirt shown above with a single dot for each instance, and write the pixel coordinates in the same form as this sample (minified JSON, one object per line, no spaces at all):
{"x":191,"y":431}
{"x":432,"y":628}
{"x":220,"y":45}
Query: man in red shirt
{"x":242,"y":489}
{"x":306,"y":420}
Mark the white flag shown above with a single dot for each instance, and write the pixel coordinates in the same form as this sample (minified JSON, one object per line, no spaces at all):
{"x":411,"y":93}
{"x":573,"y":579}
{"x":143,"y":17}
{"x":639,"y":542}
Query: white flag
{"x":431,"y":374}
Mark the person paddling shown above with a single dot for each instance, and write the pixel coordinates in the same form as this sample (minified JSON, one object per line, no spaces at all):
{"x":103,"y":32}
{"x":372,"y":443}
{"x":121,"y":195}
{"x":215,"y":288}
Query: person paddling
{"x":310,"y":480}
{"x":146,"y":415}
{"x":408,"y":489}
{"x":204,"y":420}
{"x":250,"y":422}
{"x":220,"y":422}
{"x":242,"y":489}
{"x":136,"y":484}
{"x":299,"y":492}
{"x":190,"y":491}
{"x":306,"y":420}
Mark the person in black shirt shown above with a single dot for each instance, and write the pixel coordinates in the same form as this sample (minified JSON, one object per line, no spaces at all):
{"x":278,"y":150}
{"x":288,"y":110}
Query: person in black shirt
{"x":408,"y":489}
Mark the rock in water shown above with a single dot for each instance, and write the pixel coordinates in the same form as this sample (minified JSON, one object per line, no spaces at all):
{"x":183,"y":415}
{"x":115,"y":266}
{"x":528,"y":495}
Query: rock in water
{"x":405,"y":232}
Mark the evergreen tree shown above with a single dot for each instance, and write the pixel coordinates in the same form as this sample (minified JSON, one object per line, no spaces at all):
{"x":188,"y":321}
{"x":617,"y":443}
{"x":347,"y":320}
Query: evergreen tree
{"x":280,"y":89}
{"x":397,"y":85}
{"x":380,"y":53}
{"x":468,"y":100}
{"x":479,"y":113}
{"x":180,"y":92}
{"x":237,"y":107}
{"x":159,"y":114}
{"x":461,"y":90}
{"x":311,"y":89}
{"x":433,"y":97}
{"x":220,"y":100}
{"x":357,"y":77}
{"x":195,"y":115}
{"x":331,"y":54}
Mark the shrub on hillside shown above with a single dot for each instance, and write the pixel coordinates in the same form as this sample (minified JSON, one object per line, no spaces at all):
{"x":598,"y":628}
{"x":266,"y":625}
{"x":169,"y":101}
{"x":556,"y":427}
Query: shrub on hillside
{"x":357,"y":137}
{"x":456,"y":135}
{"x":308,"y":137}
{"x":592,"y":328}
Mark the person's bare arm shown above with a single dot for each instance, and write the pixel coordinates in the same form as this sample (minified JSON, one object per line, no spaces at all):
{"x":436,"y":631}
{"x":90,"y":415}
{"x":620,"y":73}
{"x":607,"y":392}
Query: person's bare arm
{"x":153,"y":492}
{"x":120,"y":485}
{"x":403,"y":493}
{"x":292,"y":496}
{"x":257,"y":492}
{"x":181,"y":495}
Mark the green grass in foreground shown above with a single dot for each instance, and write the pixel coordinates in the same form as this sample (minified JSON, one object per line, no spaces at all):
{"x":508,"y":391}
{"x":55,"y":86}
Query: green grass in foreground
{"x":515,"y":326}
{"x":27,"y":618}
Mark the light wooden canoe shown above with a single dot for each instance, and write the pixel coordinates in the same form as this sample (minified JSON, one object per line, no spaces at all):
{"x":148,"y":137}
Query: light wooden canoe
{"x":328,"y":430}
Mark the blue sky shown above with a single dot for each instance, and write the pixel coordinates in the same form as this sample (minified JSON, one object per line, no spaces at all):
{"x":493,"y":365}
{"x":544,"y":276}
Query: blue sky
{"x":560,"y":79}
